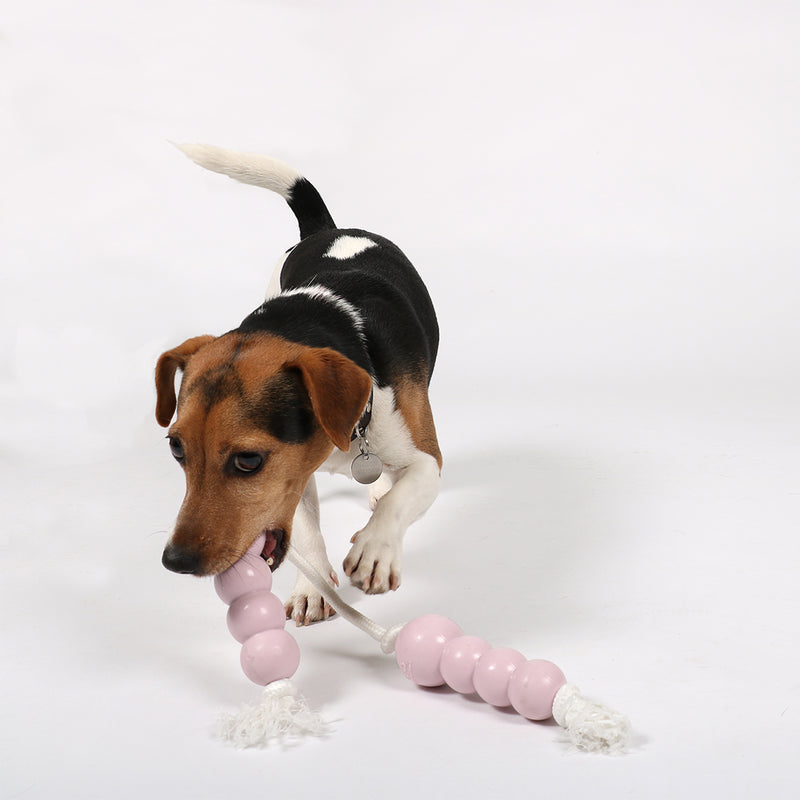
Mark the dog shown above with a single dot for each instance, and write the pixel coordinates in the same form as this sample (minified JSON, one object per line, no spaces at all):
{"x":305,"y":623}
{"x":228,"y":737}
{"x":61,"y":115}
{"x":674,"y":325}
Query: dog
{"x":330,"y":372}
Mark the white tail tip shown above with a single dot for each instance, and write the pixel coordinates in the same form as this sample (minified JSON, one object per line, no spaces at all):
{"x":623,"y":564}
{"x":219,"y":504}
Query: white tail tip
{"x":257,"y":170}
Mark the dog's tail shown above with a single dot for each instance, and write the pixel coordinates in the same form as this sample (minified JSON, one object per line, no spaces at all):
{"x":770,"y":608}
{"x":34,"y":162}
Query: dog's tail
{"x":268,"y":173}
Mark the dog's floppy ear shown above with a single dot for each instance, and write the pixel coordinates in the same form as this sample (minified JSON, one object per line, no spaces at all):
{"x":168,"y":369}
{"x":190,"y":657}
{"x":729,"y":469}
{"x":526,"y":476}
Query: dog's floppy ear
{"x":168,"y":364}
{"x":338,"y":388}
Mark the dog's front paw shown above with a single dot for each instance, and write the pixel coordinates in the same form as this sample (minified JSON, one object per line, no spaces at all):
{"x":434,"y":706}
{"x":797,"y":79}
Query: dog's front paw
{"x":306,"y":605}
{"x":373,"y":563}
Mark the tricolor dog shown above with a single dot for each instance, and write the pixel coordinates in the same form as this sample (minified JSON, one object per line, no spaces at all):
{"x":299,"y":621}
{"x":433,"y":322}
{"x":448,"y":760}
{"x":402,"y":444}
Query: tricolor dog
{"x":331,"y":372}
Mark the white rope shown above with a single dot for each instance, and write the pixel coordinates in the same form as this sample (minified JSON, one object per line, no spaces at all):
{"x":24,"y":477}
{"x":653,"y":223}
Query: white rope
{"x":385,"y":636}
{"x":282,"y":715}
{"x":591,"y":726}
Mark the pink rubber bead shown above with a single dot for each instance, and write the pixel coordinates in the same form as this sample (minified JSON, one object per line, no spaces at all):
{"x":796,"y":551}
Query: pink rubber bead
{"x":419,"y":648}
{"x":253,"y":613}
{"x":533,"y":687}
{"x":493,"y":672}
{"x":459,"y":657}
{"x":270,"y":656}
{"x":251,"y":573}
{"x":258,"y":545}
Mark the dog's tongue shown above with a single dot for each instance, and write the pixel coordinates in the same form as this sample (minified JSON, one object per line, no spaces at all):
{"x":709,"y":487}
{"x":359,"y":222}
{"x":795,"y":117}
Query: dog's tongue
{"x":257,"y":548}
{"x":269,"y":546}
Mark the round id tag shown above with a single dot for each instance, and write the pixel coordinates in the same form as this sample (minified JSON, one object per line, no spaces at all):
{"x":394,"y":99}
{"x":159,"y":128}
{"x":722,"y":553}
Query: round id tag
{"x":366,"y":468}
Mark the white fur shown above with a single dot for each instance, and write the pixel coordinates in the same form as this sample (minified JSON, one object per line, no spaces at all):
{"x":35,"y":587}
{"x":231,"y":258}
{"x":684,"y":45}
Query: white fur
{"x":378,"y":489}
{"x":306,"y":604}
{"x":274,"y":285}
{"x":345,"y":247}
{"x":409,"y":486}
{"x":387,"y":434}
{"x":316,"y":292}
{"x":403,"y":493}
{"x":257,"y":170}
{"x":375,"y":560}
{"x":323,"y":293}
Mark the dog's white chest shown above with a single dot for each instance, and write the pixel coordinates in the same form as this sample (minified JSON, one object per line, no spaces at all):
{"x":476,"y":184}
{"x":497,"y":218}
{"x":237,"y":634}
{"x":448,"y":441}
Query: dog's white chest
{"x":388,"y":436}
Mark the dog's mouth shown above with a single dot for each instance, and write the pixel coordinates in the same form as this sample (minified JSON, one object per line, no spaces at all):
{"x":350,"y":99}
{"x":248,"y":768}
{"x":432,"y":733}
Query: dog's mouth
{"x":275,"y":547}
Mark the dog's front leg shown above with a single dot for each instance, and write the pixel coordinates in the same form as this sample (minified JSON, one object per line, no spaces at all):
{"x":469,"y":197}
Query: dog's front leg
{"x":306,"y":604}
{"x":375,"y":559}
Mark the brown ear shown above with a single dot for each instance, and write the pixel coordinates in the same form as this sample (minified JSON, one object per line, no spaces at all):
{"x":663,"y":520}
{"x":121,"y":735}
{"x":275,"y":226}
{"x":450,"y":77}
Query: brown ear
{"x":338,"y":388}
{"x":168,"y":364}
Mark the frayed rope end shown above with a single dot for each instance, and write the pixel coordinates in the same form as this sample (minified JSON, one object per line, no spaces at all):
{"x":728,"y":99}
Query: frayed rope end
{"x":282,"y":716}
{"x":591,"y":726}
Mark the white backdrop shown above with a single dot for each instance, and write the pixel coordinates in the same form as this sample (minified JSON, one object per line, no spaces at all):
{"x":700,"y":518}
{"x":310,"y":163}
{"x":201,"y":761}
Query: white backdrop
{"x":603,"y":199}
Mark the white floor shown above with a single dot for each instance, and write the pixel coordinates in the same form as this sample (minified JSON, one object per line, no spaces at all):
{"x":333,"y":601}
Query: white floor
{"x":603,"y":201}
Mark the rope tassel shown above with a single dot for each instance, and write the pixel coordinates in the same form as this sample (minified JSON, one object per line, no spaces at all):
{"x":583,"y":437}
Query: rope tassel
{"x":281,"y":716}
{"x":431,"y":651}
{"x":591,"y":726}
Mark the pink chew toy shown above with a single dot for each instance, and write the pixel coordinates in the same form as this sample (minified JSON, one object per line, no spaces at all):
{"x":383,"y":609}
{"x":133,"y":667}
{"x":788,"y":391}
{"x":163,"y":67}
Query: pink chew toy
{"x":256,"y":618}
{"x":430,"y":650}
{"x":493,"y":673}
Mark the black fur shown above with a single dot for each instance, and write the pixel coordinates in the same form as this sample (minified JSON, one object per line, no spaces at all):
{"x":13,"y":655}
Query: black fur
{"x":305,"y":320}
{"x":283,"y":409}
{"x":400,"y":331}
{"x":309,"y":208}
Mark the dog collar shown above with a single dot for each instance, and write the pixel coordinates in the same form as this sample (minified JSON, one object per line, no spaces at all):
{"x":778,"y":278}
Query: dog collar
{"x":361,"y":426}
{"x":366,"y":466}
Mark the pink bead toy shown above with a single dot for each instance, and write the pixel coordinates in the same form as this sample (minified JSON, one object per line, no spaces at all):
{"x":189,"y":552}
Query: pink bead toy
{"x":256,"y":618}
{"x":431,"y":651}
{"x":492,"y":675}
{"x":459,"y":660}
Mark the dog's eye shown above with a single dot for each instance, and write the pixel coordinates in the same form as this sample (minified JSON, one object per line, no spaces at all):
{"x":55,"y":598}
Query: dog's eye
{"x":247,"y":463}
{"x":176,"y":447}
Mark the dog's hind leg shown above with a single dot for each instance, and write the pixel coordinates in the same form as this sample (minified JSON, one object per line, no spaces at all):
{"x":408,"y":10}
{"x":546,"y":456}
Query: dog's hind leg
{"x":306,"y":604}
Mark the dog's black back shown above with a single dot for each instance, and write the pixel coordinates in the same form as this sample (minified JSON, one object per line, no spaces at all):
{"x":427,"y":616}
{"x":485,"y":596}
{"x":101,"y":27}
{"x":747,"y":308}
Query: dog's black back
{"x":400,"y":334}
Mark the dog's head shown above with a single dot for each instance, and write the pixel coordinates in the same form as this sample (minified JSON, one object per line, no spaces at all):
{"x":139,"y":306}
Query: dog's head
{"x":257,"y":415}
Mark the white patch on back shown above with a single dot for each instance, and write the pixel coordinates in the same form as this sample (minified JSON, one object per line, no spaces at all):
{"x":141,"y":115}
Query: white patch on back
{"x":348,"y":246}
{"x":319,"y":292}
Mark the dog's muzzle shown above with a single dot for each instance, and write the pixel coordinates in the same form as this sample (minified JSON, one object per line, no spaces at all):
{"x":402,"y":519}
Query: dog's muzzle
{"x":186,"y":561}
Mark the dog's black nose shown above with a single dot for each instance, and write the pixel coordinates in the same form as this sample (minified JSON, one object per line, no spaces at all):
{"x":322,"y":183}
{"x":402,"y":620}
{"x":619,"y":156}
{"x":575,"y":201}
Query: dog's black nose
{"x":179,"y":559}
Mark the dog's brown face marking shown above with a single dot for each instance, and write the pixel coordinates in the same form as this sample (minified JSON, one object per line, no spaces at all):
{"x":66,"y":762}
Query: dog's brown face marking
{"x":257,"y":415}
